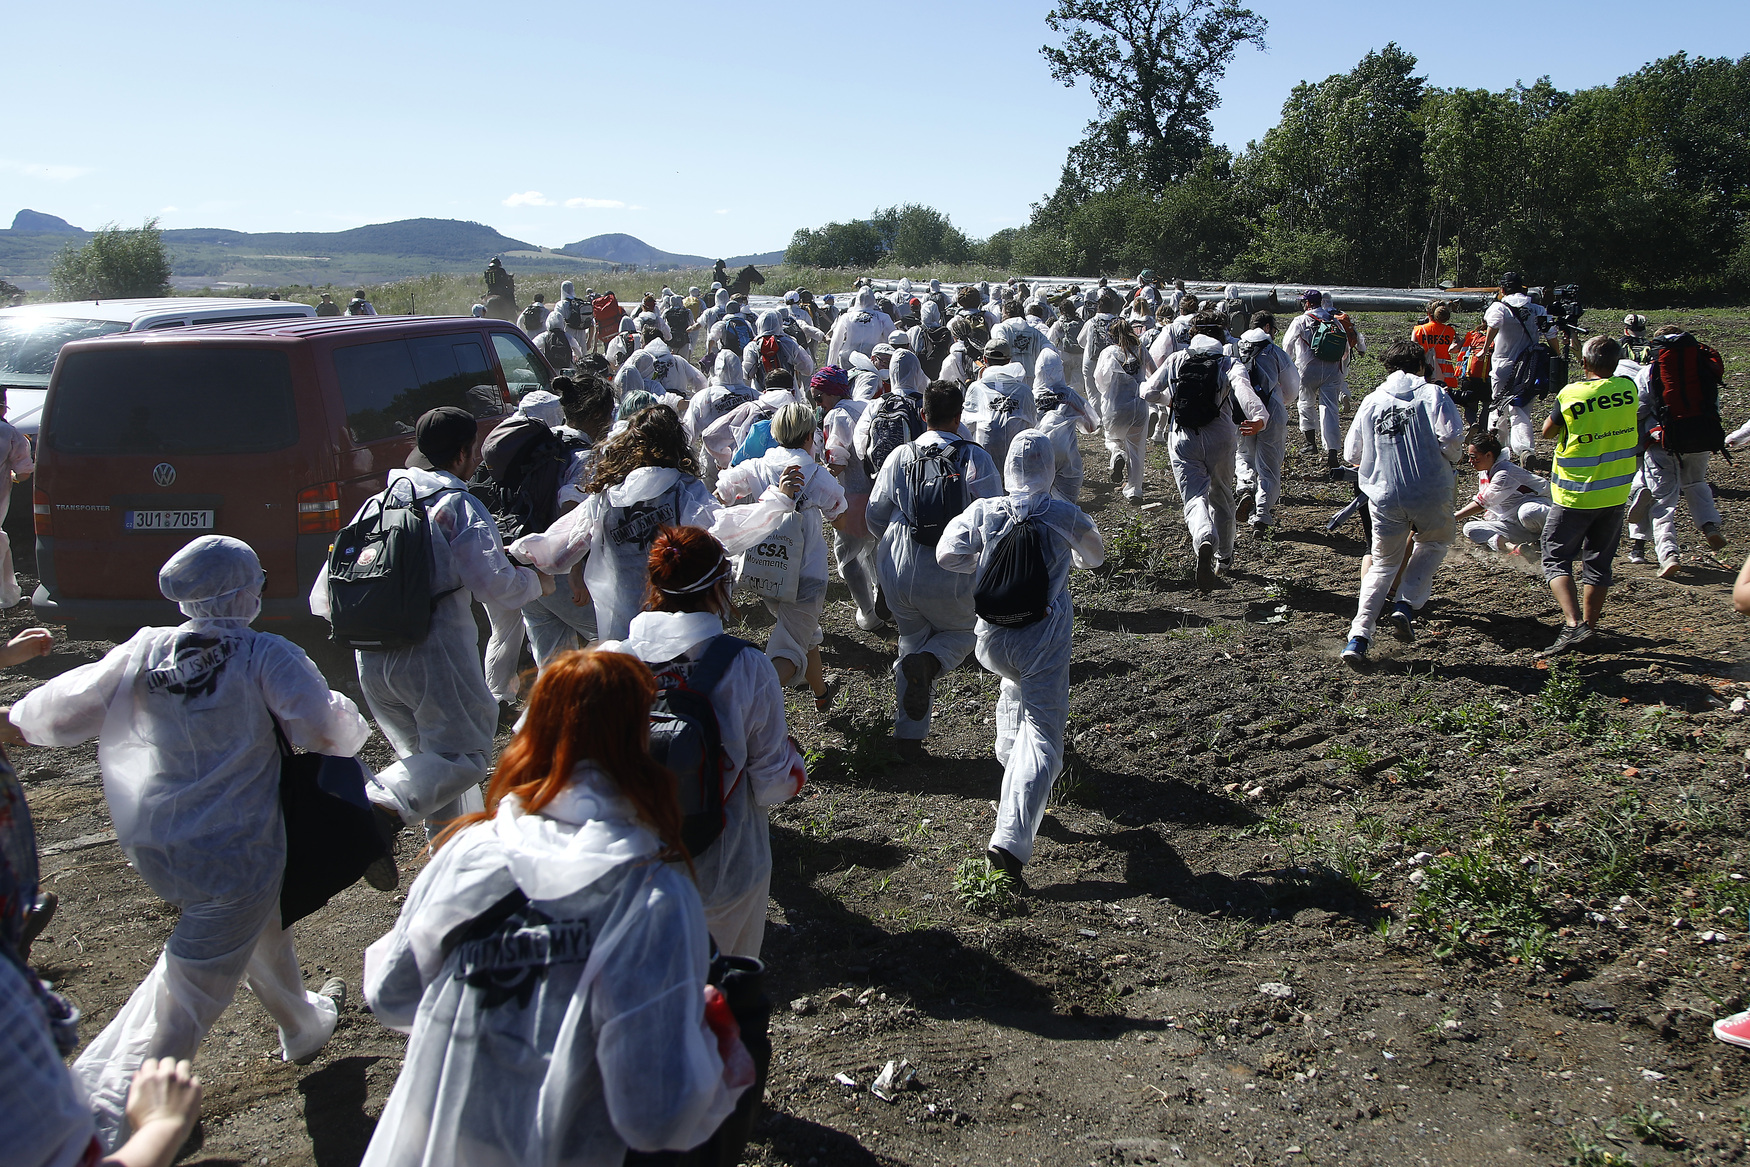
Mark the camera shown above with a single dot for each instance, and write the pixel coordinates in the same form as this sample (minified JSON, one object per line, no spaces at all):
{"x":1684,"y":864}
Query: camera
{"x":1565,"y":309}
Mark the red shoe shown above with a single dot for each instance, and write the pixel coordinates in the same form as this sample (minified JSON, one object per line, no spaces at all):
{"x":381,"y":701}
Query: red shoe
{"x":1734,"y":1030}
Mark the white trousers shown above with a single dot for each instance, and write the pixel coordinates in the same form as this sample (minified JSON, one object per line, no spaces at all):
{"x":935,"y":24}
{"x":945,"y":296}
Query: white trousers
{"x":1032,"y":712}
{"x":1126,"y":431}
{"x":1663,"y":479}
{"x":1203,"y":469}
{"x":1391,"y":539}
{"x":1258,"y":466}
{"x":1321,"y":390}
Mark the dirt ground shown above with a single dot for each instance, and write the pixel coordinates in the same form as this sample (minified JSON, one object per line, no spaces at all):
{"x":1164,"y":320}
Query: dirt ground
{"x":1459,"y":908}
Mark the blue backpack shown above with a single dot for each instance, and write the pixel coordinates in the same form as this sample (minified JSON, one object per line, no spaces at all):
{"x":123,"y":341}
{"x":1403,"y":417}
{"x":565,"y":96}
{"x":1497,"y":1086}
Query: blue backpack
{"x":757,"y":442}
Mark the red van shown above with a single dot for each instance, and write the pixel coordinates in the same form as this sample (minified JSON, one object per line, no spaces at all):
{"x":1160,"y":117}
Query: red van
{"x":273,"y":432}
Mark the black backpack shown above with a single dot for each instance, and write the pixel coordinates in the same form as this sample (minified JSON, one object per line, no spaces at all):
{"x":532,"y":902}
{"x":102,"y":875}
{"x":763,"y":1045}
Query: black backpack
{"x":556,"y":347}
{"x":379,"y":574}
{"x":1195,"y":395}
{"x":679,"y":320}
{"x":935,"y":479}
{"x":1015,"y":590}
{"x":685,"y":736}
{"x":940,"y":341}
{"x":895,"y":423}
{"x":979,"y":331}
{"x":737,"y":333}
{"x":571,"y":310}
{"x":520,"y":476}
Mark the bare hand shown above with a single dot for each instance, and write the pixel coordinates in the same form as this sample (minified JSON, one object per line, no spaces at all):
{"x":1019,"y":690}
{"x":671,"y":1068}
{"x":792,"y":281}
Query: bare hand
{"x":1252,"y":427}
{"x":547,"y":587}
{"x":165,"y":1091}
{"x":791,"y":482}
{"x":29,"y":643}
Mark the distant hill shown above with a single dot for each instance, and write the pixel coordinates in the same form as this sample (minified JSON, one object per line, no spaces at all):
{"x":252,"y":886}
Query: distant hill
{"x":379,"y":253}
{"x":36,"y":223}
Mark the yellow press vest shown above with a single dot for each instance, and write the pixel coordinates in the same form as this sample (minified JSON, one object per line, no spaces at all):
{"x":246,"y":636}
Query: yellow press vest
{"x":1595,"y":461}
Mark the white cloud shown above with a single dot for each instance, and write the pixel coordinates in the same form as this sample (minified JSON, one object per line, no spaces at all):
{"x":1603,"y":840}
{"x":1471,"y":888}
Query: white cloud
{"x":51,"y":172}
{"x":596,"y":204}
{"x":168,"y":210}
{"x":724,"y":211}
{"x":528,"y":198}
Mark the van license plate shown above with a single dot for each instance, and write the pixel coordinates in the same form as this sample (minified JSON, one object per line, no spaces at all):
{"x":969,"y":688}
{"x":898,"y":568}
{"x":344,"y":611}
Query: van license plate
{"x":168,"y":520}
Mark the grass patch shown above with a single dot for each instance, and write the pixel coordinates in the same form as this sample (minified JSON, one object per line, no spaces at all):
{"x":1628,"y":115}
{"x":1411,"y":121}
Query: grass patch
{"x":1476,"y":723}
{"x":1483,"y":905}
{"x":984,"y":889}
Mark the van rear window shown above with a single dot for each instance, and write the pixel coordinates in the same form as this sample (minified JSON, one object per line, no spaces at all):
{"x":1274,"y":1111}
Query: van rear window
{"x":151,"y":399}
{"x":386,"y":386}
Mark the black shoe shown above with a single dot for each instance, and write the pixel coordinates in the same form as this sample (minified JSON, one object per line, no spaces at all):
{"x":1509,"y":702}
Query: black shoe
{"x":920,"y":670}
{"x":1001,"y":860}
{"x":1401,"y":619}
{"x":1243,"y":509}
{"x":1569,"y":636}
{"x":1117,"y":468}
{"x":1583,"y":632}
{"x":1207,"y":581}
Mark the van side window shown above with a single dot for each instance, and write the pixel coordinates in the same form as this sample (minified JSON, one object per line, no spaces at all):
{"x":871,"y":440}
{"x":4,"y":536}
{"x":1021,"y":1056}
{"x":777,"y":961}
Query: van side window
{"x":524,"y":372}
{"x":386,"y":386}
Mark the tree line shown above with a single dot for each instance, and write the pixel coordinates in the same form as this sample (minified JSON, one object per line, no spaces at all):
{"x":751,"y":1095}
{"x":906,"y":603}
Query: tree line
{"x":1372,"y":176}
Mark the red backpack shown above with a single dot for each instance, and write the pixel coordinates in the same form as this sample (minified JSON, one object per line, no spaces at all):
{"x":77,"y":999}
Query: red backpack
{"x":771,"y":354}
{"x":1685,"y":380}
{"x":607,"y":311}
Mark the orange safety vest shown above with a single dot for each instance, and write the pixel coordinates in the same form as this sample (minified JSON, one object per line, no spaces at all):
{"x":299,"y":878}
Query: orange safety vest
{"x":1439,"y":339}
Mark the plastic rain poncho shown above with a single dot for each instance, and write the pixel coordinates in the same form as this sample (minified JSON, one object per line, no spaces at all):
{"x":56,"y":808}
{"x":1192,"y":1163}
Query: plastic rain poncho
{"x":931,"y":605}
{"x":431,"y":700}
{"x":756,"y":481}
{"x":1063,"y":423}
{"x":615,"y":529}
{"x":1033,"y":662}
{"x":1258,"y":457}
{"x":761,"y":769}
{"x":907,"y":375}
{"x":1123,"y":415}
{"x":1403,"y":441}
{"x":723,"y":436}
{"x":860,"y":329}
{"x":185,"y":721}
{"x":678,"y":376}
{"x":795,"y":357}
{"x":566,"y":1032}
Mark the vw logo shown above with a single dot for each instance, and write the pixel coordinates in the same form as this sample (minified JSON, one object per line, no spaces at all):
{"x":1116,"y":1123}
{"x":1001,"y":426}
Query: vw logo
{"x":164,"y":474}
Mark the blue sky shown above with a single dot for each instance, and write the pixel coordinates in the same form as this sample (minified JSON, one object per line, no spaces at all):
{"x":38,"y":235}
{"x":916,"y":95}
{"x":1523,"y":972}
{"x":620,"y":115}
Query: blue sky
{"x":703,"y":128}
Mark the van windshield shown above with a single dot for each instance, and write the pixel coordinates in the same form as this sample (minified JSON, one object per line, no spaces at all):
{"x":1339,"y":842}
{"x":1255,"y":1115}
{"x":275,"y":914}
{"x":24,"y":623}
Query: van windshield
{"x":29,"y":345}
{"x":150,"y":399}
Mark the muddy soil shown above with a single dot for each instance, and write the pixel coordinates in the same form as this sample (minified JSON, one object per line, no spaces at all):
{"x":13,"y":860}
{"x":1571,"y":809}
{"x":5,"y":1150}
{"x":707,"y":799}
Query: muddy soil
{"x":1458,"y":908}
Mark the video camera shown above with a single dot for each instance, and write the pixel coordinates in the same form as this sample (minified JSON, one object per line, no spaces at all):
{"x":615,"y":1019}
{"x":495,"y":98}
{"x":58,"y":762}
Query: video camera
{"x":1565,"y":309}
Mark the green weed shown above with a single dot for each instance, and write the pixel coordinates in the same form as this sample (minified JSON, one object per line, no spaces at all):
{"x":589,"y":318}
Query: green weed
{"x":983,"y":888}
{"x":1653,"y":1126}
{"x":1357,"y":758}
{"x":1476,"y":723}
{"x":1616,"y":841}
{"x":1567,"y":699}
{"x":1480,"y":904}
{"x":1589,"y":1154}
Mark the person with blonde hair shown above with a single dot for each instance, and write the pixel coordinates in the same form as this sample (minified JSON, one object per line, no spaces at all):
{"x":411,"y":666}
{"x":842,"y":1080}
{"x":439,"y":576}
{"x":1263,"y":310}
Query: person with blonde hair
{"x":787,"y":477}
{"x":550,"y":962}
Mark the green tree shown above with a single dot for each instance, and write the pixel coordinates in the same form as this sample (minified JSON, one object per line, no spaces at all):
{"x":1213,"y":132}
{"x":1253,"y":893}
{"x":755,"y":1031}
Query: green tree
{"x":1153,"y":67}
{"x":118,"y":262}
{"x":854,"y":244}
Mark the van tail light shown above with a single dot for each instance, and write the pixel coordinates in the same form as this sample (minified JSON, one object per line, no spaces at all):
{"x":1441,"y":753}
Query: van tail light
{"x":318,"y":509}
{"x":43,"y":511}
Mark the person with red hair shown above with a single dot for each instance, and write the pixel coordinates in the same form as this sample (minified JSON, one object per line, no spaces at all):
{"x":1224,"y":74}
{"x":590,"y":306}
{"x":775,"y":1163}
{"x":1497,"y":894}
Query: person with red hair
{"x":681,"y":625}
{"x":550,"y":962}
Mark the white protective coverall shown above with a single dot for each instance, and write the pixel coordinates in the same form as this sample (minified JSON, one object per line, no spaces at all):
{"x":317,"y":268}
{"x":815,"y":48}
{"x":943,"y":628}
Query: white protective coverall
{"x":1063,"y":423}
{"x":1511,"y":422}
{"x":571,"y":1028}
{"x":726,"y":392}
{"x":15,"y":458}
{"x":795,"y":357}
{"x":580,"y":337}
{"x":1203,"y":460}
{"x":1062,"y":336}
{"x":1025,"y":342}
{"x":431,"y":700}
{"x":1123,"y":414}
{"x":844,"y":445}
{"x":907,"y":375}
{"x":760,"y":769}
{"x":1661,"y":480}
{"x":615,"y":529}
{"x":860,"y":329}
{"x":1033,"y":662}
{"x":1403,"y":441}
{"x":999,"y":405}
{"x":932,"y":606}
{"x":1515,"y":504}
{"x":1322,"y":383}
{"x":798,"y":624}
{"x":677,"y":375}
{"x":719,"y":305}
{"x":1094,"y":338}
{"x":1258,"y":461}
{"x":185,"y":724}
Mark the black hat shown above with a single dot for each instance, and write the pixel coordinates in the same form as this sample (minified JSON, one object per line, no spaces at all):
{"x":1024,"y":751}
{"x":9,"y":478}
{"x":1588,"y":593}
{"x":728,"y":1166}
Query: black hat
{"x":440,"y":435}
{"x":1510,"y":282}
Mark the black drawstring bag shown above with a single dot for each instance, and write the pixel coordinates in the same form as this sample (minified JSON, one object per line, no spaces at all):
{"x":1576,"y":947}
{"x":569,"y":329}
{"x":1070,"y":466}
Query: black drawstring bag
{"x":332,"y":833}
{"x":742,"y":981}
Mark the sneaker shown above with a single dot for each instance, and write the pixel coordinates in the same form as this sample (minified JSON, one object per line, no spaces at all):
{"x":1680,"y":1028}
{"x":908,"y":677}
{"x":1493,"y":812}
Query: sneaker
{"x":920,"y":670}
{"x":1637,"y":551}
{"x":335,"y":990}
{"x":1001,"y":860}
{"x":1565,"y":640}
{"x":1402,"y":623}
{"x":1332,"y":460}
{"x":1247,"y":504}
{"x":381,"y":874}
{"x":1206,"y":578}
{"x":1715,"y":539}
{"x":1355,"y":652}
{"x":1118,"y":468}
{"x":1308,"y":442}
{"x":1734,"y":1030}
{"x":1582,"y":633}
{"x":869,"y":621}
{"x":1670,"y":568}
